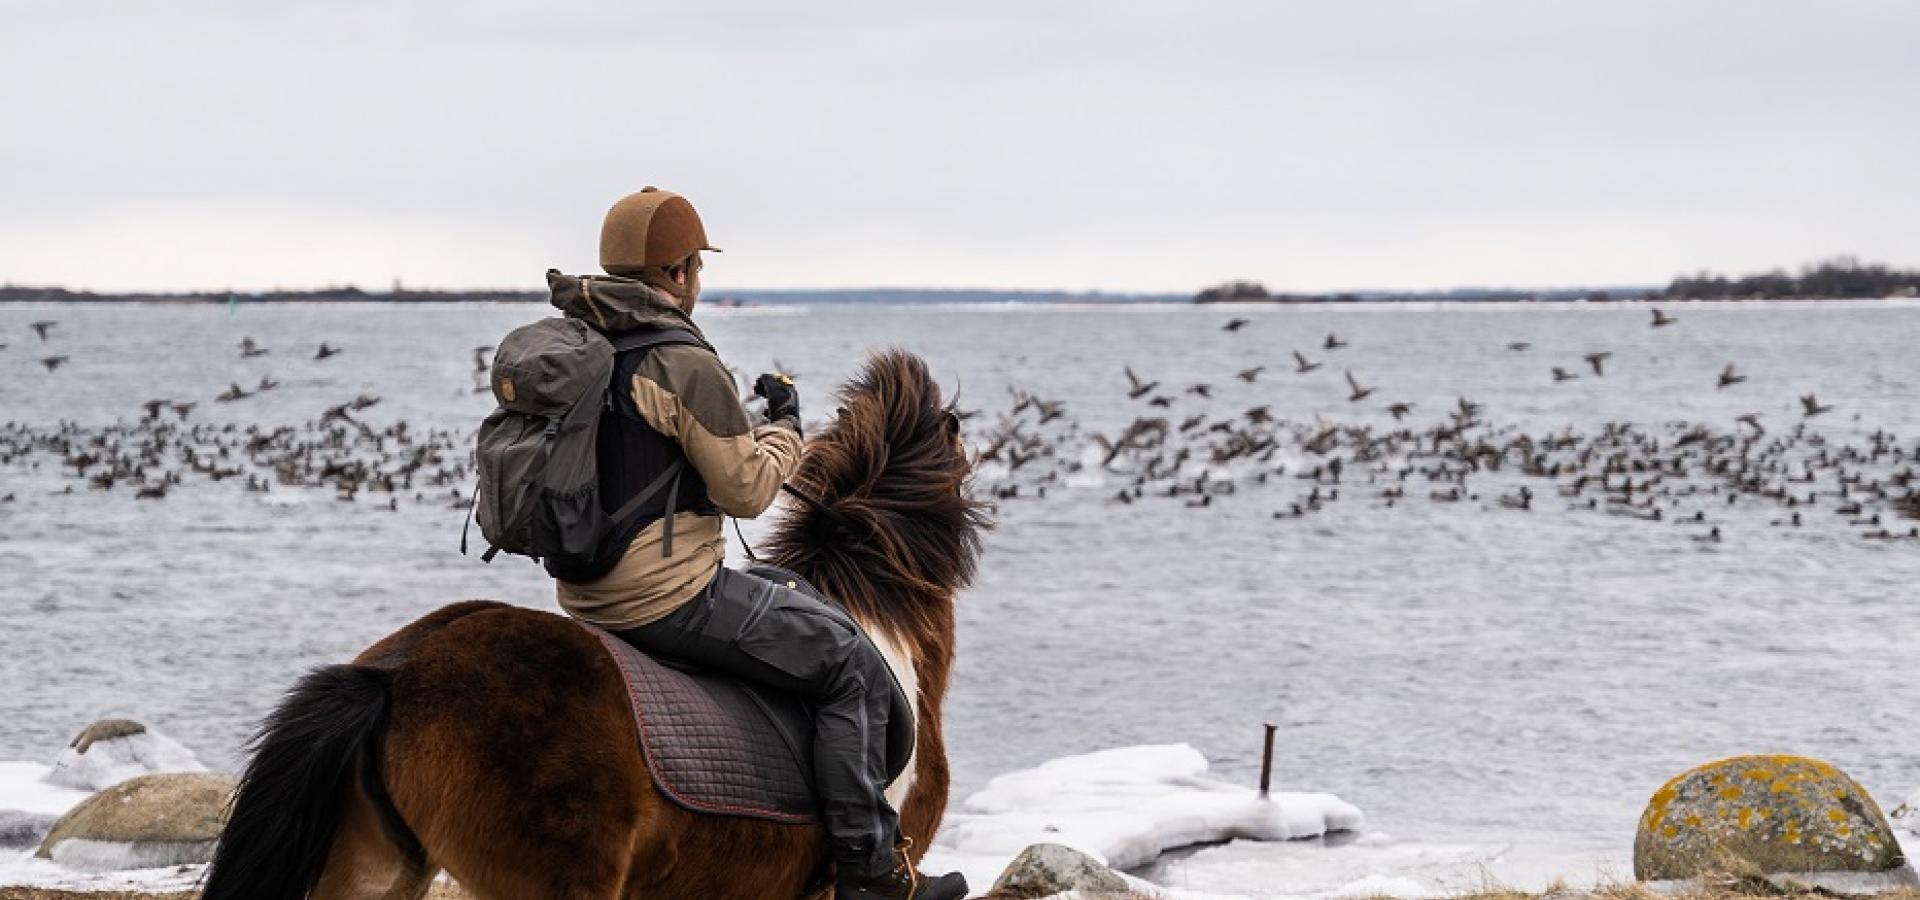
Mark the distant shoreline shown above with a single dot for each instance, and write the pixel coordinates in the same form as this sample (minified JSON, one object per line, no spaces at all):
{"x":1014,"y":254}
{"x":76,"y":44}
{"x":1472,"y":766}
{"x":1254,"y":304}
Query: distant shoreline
{"x":900,"y":298}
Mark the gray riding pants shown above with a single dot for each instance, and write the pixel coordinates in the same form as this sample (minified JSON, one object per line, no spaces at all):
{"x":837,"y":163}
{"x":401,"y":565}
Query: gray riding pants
{"x":781,"y":638}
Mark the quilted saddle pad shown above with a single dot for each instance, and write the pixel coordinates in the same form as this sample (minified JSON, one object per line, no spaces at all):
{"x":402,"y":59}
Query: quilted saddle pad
{"x":716,"y":746}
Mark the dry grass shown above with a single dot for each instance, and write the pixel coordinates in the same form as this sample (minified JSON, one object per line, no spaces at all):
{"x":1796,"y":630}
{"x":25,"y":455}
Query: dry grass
{"x":1730,"y":891}
{"x":439,"y":892}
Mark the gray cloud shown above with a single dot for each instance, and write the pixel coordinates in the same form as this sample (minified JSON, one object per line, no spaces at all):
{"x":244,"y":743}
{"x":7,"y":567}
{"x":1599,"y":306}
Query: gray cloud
{"x":1115,"y":145}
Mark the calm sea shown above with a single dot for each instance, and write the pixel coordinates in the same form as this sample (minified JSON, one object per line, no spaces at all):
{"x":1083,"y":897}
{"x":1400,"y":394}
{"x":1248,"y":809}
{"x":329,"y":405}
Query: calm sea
{"x":1456,"y":669}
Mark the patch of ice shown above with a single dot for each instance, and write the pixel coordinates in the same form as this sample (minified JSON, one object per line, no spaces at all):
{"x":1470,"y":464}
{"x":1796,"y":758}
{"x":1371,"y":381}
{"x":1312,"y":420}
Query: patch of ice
{"x":1382,"y":886}
{"x":112,"y":856}
{"x":26,"y":870}
{"x":1126,"y":807}
{"x":1378,"y":865}
{"x":109,"y":762}
{"x":23,"y":787}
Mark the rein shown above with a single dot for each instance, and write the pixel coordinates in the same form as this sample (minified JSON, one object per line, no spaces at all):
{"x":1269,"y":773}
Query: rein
{"x":819,"y":507}
{"x":845,"y":523}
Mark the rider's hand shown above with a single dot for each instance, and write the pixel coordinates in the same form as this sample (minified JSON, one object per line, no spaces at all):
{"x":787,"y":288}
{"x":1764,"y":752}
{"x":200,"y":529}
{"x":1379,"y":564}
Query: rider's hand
{"x":783,"y":399}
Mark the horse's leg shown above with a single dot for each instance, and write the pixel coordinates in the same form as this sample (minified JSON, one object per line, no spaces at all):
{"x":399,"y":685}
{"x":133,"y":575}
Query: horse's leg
{"x":364,"y":864}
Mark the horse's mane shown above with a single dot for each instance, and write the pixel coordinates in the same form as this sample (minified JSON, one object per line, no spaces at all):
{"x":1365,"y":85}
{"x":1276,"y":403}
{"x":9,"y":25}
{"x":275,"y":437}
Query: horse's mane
{"x":895,"y":531}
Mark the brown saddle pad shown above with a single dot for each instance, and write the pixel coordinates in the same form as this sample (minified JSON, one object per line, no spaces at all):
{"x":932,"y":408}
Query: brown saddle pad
{"x":716,"y":746}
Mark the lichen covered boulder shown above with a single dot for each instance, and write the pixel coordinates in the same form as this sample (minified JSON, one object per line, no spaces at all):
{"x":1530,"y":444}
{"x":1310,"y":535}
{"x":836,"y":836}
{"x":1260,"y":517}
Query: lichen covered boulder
{"x":161,"y":819}
{"x":1762,"y":815}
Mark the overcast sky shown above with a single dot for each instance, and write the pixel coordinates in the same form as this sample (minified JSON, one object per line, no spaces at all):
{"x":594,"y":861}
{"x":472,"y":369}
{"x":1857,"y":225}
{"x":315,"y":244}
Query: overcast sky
{"x":1105,"y":144}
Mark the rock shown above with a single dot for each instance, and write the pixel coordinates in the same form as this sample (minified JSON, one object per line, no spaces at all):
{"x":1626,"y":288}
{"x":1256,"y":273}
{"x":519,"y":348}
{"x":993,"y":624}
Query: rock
{"x":105,"y":730}
{"x":113,"y":750}
{"x":1045,"y":869}
{"x":1762,"y":815}
{"x":154,"y":820}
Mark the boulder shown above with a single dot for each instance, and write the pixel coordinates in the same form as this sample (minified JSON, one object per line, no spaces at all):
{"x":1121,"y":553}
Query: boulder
{"x":1759,"y":816}
{"x":113,"y":750}
{"x":1042,"y":870}
{"x":154,"y":820}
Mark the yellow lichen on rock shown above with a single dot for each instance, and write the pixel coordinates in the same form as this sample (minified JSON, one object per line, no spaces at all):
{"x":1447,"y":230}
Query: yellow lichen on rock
{"x":1811,"y":818}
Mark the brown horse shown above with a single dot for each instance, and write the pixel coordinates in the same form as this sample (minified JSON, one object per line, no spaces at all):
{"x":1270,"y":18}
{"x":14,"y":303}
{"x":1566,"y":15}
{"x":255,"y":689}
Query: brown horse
{"x":495,"y":743}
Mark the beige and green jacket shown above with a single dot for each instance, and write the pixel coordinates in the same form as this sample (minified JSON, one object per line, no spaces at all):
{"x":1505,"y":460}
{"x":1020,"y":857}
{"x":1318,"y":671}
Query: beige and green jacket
{"x":687,"y":394}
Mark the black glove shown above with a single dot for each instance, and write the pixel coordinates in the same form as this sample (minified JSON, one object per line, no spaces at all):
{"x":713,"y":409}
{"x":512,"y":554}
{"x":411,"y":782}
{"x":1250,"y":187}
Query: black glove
{"x":783,"y":399}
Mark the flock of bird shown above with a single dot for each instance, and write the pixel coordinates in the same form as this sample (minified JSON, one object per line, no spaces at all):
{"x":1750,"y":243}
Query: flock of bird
{"x":335,"y":450}
{"x":1179,"y":446}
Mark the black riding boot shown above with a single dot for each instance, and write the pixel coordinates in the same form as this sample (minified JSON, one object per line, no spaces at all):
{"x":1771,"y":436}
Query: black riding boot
{"x":780,"y":637}
{"x":902,"y":882}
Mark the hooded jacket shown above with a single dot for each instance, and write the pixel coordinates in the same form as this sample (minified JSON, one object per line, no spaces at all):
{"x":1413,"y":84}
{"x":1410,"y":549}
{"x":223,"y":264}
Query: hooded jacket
{"x":684,"y":393}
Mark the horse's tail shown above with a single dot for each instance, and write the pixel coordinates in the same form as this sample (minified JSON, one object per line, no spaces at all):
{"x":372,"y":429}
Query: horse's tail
{"x":281,"y":824}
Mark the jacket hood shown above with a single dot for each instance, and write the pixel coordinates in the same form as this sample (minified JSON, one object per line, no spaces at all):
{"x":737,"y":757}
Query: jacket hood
{"x":612,"y":304}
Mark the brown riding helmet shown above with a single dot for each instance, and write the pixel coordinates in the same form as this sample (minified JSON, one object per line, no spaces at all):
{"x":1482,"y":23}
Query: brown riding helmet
{"x":650,"y":228}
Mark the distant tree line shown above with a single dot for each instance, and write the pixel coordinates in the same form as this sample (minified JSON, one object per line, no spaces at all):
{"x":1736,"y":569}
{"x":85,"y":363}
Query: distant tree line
{"x":19,"y":293}
{"x":1838,"y":278}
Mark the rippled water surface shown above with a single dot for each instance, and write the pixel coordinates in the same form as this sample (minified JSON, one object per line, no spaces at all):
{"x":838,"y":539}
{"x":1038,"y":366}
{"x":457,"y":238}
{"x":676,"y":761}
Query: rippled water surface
{"x":1457,"y":670}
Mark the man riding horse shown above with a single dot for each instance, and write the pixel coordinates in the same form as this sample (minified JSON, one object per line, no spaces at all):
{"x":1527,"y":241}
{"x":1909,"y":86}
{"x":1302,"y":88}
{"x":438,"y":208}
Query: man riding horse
{"x":666,"y":591}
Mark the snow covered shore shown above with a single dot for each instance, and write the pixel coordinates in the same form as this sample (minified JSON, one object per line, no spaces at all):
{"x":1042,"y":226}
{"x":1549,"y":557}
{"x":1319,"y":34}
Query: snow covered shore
{"x":1128,"y":807}
{"x":1125,"y":807}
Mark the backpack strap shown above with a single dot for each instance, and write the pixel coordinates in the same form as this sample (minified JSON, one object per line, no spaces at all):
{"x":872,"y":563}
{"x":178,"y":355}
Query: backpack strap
{"x":642,"y":338}
{"x":668,"y":476}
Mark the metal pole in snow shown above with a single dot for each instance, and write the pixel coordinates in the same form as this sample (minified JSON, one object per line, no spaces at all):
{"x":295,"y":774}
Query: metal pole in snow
{"x":1266,"y":761}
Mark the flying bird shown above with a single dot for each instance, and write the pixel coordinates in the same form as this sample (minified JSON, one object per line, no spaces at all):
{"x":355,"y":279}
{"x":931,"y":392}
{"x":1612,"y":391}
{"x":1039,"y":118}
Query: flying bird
{"x":232,"y":393}
{"x":53,"y":362}
{"x":1811,"y":404}
{"x":1400,"y":410}
{"x":325,"y":351}
{"x":1560,"y":375}
{"x":1234,"y":325}
{"x":250,"y":349}
{"x":1518,"y":346}
{"x":1302,"y":366}
{"x":1359,"y":393}
{"x":1729,"y":377}
{"x":1754,"y":420}
{"x":1246,"y":375}
{"x":1598,"y":362}
{"x":41,"y":328}
{"x":1333,"y":342}
{"x":1139,"y":388}
{"x":1661,"y":319}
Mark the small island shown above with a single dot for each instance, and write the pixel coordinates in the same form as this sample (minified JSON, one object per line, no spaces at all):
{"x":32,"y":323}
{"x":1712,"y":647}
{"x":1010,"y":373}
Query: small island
{"x":1840,"y":278}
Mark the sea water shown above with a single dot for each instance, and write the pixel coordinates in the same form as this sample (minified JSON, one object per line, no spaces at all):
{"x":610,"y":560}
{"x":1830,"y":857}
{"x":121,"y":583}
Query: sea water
{"x":1464,"y":673}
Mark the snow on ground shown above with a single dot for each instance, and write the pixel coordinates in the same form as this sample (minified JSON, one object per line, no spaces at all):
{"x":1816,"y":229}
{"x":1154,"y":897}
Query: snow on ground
{"x":1378,"y":865}
{"x":23,"y":788}
{"x":33,"y":795}
{"x":1125,"y":806}
{"x":23,"y":869}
